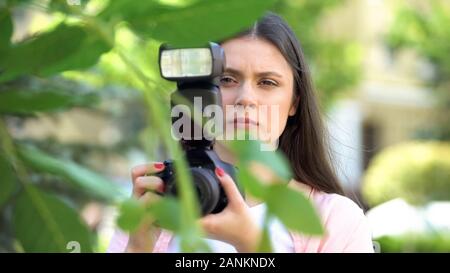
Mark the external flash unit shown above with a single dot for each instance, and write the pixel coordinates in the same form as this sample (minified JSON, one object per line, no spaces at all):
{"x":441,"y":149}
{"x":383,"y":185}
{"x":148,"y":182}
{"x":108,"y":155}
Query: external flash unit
{"x":191,"y":64}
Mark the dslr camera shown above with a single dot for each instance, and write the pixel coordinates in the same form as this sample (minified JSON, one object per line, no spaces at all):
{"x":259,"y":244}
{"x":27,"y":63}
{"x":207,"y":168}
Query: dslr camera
{"x":195,"y":70}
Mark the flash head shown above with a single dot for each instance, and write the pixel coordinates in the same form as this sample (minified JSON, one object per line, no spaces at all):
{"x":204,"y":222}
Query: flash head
{"x":191,"y":64}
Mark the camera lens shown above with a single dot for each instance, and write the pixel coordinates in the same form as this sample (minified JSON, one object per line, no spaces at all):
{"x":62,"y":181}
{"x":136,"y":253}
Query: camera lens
{"x":207,"y":187}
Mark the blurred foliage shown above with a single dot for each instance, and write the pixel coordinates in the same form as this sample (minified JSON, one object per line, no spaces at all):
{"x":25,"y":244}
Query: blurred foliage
{"x":54,"y":224}
{"x":93,"y":57}
{"x":417,"y":172}
{"x":424,"y":26}
{"x":415,"y":243}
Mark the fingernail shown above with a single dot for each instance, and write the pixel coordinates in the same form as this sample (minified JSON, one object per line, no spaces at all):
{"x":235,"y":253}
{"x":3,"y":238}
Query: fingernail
{"x":158,"y":165}
{"x":162,"y":187}
{"x":219,"y":171}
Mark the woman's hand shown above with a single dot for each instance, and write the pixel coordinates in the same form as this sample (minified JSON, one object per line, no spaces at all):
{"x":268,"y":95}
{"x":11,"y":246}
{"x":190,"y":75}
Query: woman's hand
{"x":145,"y":189}
{"x":234,"y":224}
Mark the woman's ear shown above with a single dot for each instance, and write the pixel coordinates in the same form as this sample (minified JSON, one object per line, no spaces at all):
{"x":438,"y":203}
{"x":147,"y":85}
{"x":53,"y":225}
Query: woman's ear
{"x":293,"y":108}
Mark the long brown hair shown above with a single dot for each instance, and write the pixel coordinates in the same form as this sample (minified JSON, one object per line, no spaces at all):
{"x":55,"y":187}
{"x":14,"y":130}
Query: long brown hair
{"x":303,"y":141}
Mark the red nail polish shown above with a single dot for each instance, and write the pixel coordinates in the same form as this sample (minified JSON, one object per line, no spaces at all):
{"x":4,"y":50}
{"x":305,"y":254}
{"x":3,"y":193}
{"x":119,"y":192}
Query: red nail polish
{"x":158,"y":165}
{"x":219,"y":171}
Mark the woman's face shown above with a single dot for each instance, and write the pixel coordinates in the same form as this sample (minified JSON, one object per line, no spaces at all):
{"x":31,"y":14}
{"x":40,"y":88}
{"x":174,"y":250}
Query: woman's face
{"x":256,"y":78}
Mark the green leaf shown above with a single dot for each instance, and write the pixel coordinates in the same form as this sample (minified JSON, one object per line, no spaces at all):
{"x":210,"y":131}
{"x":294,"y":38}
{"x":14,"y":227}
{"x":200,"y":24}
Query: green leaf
{"x":250,"y":150}
{"x":132,"y":213}
{"x":91,"y":182}
{"x":26,"y":101}
{"x":65,"y":6}
{"x":67,"y":47}
{"x":43,"y":223}
{"x":196,"y":24}
{"x":167,"y":211}
{"x":167,"y":215}
{"x":192,"y":241}
{"x":293,"y":209}
{"x":6,"y":28}
{"x":7,"y":179}
{"x":265,"y":245}
{"x":12,"y":3}
{"x":251,"y":183}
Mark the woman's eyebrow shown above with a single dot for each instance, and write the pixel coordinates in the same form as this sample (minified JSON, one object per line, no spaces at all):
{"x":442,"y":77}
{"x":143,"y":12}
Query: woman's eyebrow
{"x":259,"y":74}
{"x":269,"y":73}
{"x":233,"y":71}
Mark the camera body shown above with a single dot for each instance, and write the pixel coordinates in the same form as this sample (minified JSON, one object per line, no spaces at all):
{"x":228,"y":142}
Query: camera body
{"x":197,"y":82}
{"x":202,"y":165}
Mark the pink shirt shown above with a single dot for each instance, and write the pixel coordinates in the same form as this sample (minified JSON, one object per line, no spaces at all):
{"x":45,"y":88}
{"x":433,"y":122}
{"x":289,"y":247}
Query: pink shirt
{"x":346,"y":228}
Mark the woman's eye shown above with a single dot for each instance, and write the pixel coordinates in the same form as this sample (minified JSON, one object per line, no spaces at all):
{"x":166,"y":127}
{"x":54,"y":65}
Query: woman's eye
{"x":227,"y":80}
{"x":268,"y":83}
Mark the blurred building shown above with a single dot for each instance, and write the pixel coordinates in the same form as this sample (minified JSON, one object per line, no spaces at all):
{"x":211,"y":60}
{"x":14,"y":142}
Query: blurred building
{"x":390,"y":103}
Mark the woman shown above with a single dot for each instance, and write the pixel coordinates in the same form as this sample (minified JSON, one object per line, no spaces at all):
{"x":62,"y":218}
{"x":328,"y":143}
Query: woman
{"x":265,"y":66}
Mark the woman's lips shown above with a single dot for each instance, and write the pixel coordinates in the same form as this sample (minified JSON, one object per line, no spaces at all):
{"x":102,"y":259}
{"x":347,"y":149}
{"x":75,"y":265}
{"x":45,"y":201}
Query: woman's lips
{"x":245,"y":122}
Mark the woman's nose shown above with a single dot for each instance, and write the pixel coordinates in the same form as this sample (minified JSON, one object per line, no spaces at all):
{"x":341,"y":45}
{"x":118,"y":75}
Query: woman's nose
{"x":246,"y":97}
